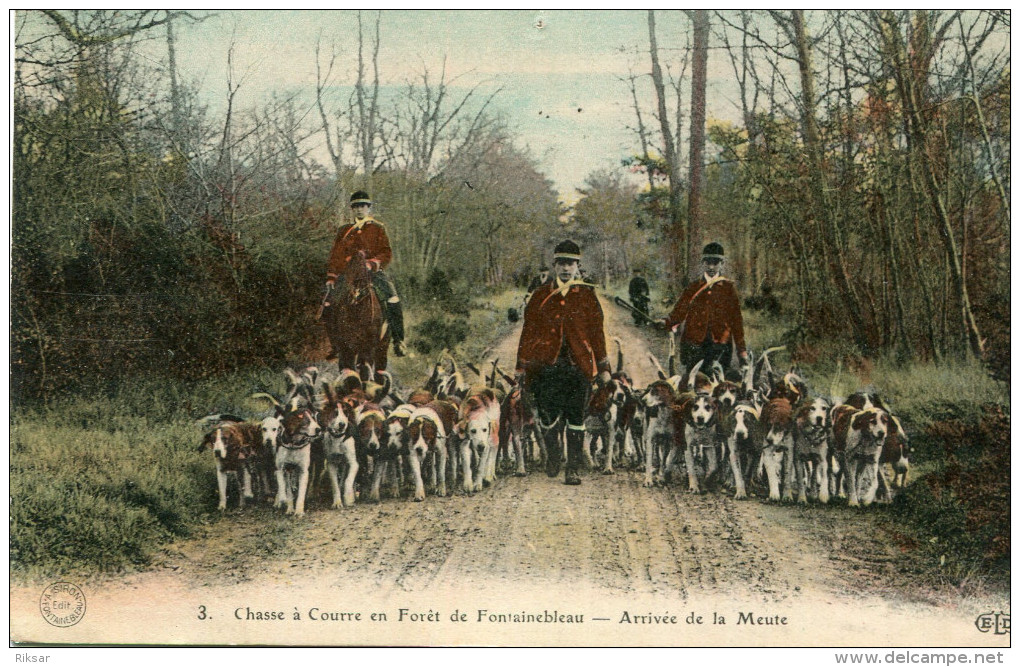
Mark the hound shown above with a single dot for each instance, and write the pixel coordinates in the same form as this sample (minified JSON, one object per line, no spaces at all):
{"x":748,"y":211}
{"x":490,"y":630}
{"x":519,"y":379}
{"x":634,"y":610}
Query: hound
{"x":726,"y":394}
{"x":858,"y":437}
{"x":694,"y":429}
{"x":393,"y":447}
{"x":605,"y":414}
{"x":777,"y":422}
{"x":234,"y":447}
{"x":811,"y":450}
{"x":478,"y":432}
{"x":658,"y":400}
{"x":428,"y":429}
{"x":600,"y":424}
{"x":339,"y":448}
{"x":518,"y":428}
{"x":294,"y":452}
{"x":741,"y":439}
{"x":895,"y":452}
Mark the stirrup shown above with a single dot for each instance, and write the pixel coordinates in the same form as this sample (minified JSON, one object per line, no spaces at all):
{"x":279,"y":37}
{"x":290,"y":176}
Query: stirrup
{"x":398,"y":349}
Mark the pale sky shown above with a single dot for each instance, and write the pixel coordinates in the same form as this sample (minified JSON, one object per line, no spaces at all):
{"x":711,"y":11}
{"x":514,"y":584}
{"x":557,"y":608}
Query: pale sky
{"x":559,"y":70}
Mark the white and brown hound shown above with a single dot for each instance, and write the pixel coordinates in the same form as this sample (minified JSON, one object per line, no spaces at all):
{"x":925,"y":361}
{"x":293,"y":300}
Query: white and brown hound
{"x":518,"y":428}
{"x":896,"y":453}
{"x":234,"y":446}
{"x":477,"y":430}
{"x":858,"y":438}
{"x":428,"y":429}
{"x":337,"y":419}
{"x":294,"y":454}
{"x":777,"y":424}
{"x":811,"y":450}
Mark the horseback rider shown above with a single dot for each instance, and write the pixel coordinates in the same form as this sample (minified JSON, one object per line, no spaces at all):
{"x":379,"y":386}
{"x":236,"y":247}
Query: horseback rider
{"x":367,"y":234}
{"x":709,"y":311}
{"x":561,"y":351}
{"x":638,"y":291}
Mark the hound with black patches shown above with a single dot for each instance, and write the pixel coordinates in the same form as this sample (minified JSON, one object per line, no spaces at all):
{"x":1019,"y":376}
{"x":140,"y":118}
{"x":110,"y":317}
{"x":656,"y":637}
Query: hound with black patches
{"x":811,"y":450}
{"x":858,"y":438}
{"x":394,"y":446}
{"x":741,"y":439}
{"x":694,"y":428}
{"x":658,"y":400}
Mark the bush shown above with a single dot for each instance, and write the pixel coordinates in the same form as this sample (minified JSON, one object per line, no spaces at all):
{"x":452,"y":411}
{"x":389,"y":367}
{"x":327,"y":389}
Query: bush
{"x":439,"y":332}
{"x":960,"y":512}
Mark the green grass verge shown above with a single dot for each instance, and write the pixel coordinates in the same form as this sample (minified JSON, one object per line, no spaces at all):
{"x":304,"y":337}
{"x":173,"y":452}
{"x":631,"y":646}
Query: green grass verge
{"x":100,"y":482}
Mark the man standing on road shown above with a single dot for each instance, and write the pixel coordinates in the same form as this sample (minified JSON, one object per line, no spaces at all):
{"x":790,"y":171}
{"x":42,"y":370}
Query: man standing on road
{"x":367,"y":234}
{"x":709,"y":311}
{"x":561,"y":351}
{"x":638,"y":291}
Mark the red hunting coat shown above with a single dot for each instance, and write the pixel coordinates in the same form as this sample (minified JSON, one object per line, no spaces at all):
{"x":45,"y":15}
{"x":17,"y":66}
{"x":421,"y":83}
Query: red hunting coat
{"x":371,"y":238}
{"x":714,"y":310}
{"x":551,"y":319}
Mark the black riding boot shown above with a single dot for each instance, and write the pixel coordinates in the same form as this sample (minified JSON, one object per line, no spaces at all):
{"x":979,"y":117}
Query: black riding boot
{"x":329,"y":319}
{"x":575,"y":443}
{"x":395,"y":318}
{"x":553,"y":450}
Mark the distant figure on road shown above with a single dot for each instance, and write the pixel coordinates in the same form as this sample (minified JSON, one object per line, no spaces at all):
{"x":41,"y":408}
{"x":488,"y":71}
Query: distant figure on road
{"x":709,"y":311}
{"x":561,"y":351}
{"x":638,"y":291}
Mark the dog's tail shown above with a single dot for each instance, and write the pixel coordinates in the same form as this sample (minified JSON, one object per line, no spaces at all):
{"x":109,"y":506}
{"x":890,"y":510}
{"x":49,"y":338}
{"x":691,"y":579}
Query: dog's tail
{"x":269,"y":397}
{"x":658,"y":367}
{"x":218,"y":418}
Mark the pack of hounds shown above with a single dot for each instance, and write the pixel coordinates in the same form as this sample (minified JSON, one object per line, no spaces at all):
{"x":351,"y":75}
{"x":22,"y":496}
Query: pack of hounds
{"x":749,"y":432}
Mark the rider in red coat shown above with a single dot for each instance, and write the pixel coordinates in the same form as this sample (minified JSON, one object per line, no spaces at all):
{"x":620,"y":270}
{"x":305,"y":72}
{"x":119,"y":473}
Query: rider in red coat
{"x":562,"y":349}
{"x":709,"y":310}
{"x":369,"y":235}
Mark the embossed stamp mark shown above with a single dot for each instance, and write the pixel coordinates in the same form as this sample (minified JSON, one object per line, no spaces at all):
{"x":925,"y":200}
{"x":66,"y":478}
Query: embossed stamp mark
{"x":62,"y":604}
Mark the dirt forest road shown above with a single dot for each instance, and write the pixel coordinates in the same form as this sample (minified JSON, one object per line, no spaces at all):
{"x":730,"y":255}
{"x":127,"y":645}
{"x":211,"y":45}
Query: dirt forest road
{"x":609,"y":549}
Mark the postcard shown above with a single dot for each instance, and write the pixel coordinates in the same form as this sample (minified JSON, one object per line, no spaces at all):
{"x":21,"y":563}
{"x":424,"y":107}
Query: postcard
{"x":515,"y":328}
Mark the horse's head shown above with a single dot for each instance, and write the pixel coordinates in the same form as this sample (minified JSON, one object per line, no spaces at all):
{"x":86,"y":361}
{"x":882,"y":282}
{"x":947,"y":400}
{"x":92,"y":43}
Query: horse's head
{"x":357,"y":274}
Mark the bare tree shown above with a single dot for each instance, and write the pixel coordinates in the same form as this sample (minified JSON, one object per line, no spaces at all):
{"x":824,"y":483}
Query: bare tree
{"x":695,"y":212}
{"x":677,"y":240}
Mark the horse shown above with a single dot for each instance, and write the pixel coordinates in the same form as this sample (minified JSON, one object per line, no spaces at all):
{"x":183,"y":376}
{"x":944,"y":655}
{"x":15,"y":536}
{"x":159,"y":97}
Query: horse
{"x":356,"y":325}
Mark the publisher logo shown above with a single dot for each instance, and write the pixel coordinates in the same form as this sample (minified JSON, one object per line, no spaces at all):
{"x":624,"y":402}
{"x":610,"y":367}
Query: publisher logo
{"x":994,"y":622}
{"x":62,"y":604}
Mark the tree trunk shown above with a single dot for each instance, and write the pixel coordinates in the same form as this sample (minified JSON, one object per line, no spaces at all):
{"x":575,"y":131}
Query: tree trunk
{"x":676,"y":236}
{"x":697,"y":170}
{"x":911,"y":85}
{"x":864,"y":335}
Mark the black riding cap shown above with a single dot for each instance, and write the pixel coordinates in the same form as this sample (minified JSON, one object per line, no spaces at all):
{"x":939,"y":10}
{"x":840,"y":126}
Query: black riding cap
{"x":567,"y":250}
{"x":713,"y":251}
{"x":360,"y":197}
